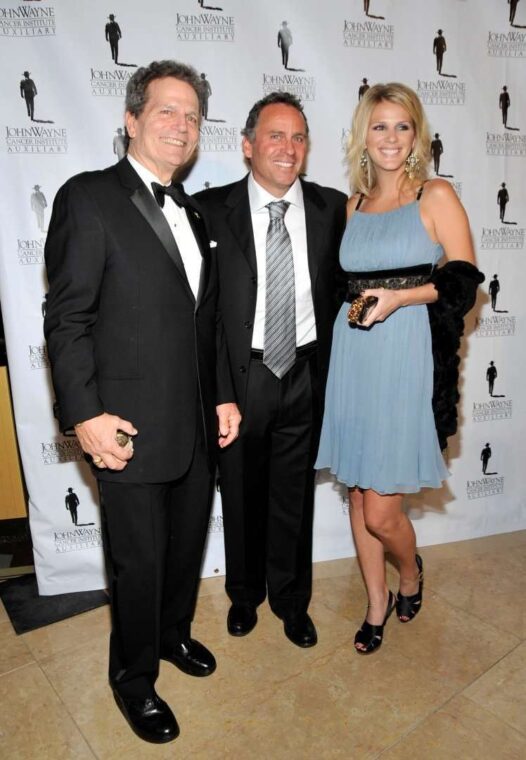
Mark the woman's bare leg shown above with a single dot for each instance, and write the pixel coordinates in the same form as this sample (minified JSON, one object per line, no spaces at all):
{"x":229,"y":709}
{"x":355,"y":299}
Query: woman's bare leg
{"x":384,"y":518}
{"x":371,"y":557}
{"x":379,"y":524}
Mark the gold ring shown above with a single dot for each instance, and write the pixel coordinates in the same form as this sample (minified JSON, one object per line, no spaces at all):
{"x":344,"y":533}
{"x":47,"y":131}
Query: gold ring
{"x":97,"y":460}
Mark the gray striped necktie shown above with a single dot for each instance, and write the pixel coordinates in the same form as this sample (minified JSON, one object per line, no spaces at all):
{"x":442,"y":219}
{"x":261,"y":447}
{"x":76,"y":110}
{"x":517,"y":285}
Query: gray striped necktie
{"x":279,"y":353}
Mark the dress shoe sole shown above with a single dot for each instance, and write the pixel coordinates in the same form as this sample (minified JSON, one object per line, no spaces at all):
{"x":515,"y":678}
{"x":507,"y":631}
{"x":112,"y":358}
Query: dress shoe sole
{"x":142,"y":735}
{"x":239,"y":634}
{"x":302,"y":644}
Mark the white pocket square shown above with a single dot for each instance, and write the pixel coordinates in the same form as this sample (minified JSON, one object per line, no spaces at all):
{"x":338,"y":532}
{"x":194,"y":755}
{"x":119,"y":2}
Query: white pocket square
{"x":213,"y":244}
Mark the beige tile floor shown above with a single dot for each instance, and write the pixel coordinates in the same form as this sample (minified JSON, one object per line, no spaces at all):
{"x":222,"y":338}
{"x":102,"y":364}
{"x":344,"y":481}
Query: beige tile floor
{"x":452,"y":684}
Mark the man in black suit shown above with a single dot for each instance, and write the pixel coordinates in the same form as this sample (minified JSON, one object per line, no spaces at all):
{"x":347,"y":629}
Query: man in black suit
{"x":267,"y":476}
{"x":72,"y":502}
{"x":503,"y":198}
{"x":28,"y":90}
{"x":439,"y":48}
{"x":494,"y":289}
{"x":504,"y":104}
{"x":436,"y":151}
{"x":284,"y":42}
{"x":113,"y":34}
{"x":136,"y":346}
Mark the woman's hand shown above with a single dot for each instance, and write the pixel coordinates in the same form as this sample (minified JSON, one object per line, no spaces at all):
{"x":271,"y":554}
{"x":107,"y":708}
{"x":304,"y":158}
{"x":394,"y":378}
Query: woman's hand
{"x":388,"y":301}
{"x":391,"y":300}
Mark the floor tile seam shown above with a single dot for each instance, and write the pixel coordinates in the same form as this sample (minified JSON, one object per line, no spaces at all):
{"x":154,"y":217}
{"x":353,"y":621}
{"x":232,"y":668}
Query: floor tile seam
{"x":18,"y":637}
{"x":434,"y":711}
{"x":69,"y":649}
{"x":459,"y":692}
{"x":494,"y":665}
{"x":70,"y":714}
{"x":502,"y":720}
{"x":414,"y":726}
{"x":21,"y":667}
{"x":484,"y":620}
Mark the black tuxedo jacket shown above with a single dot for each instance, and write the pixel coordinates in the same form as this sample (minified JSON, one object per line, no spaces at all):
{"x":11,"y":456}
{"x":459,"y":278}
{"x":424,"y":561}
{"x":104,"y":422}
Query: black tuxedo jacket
{"x":227,"y":213}
{"x":125,"y":333}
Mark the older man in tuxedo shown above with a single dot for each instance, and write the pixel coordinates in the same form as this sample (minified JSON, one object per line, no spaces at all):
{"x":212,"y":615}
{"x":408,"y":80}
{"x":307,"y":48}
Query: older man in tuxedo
{"x":277,"y":244}
{"x":136,"y":347}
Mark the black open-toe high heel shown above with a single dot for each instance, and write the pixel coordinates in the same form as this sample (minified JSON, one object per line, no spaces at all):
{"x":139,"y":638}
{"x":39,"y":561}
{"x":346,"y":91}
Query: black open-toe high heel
{"x":409,"y":606}
{"x":370,"y":636}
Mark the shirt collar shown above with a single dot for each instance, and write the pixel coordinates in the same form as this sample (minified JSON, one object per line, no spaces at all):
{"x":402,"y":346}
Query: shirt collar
{"x":259,"y":197}
{"x":145,"y":174}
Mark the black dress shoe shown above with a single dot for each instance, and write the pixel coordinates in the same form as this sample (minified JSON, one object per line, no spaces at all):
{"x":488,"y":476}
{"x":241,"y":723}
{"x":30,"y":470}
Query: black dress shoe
{"x":301,"y":631}
{"x":242,"y":618}
{"x":191,"y":657}
{"x":150,"y":718}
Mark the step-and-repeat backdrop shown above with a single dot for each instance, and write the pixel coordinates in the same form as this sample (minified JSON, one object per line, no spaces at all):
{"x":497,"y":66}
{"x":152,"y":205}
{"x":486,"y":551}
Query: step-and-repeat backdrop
{"x":65,"y":68}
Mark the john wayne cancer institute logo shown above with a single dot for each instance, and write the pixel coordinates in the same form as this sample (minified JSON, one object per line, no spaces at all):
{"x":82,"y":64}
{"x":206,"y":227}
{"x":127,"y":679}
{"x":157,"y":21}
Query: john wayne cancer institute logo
{"x":483,"y":487}
{"x":502,"y":238}
{"x":505,"y":144}
{"x":204,"y":27}
{"x":509,"y":44}
{"x":304,"y":87}
{"x":495,"y":409}
{"x":217,"y":138}
{"x":441,"y":92}
{"x":496,"y":326}
{"x":77,"y":539}
{"x":31,"y":251}
{"x":27,"y":21}
{"x":368,"y":34}
{"x":109,"y":82}
{"x":60,"y":451}
{"x":36,"y":139}
{"x":38,"y":357}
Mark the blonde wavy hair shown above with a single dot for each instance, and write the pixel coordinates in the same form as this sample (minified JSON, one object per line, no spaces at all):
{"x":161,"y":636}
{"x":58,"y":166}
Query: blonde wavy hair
{"x":364,"y":179}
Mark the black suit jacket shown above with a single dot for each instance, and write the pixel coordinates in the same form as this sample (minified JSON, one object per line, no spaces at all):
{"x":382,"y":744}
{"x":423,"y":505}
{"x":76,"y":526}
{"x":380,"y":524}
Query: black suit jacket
{"x":125,"y":334}
{"x":227,"y":212}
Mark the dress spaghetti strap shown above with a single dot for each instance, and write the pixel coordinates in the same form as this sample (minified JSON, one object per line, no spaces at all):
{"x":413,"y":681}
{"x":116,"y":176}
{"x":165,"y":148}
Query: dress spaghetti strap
{"x":420,"y":190}
{"x":360,"y":199}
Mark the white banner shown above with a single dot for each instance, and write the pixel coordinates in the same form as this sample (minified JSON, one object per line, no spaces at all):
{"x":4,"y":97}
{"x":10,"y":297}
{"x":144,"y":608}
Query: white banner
{"x":64,"y":75}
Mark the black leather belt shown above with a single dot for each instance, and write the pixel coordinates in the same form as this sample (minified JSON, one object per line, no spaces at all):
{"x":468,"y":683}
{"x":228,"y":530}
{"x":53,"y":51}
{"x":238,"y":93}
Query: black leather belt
{"x":392,"y":279}
{"x":301,"y":351}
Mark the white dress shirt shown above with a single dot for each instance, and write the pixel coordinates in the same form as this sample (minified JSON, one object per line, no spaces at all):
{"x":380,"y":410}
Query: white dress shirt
{"x":295,"y":224}
{"x":179,"y":225}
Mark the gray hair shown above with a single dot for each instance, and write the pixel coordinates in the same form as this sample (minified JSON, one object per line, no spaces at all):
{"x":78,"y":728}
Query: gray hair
{"x":287,"y":98}
{"x":136,"y":88}
{"x":136,"y":95}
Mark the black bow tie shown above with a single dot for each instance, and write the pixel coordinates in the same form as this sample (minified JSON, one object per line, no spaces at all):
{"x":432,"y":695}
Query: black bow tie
{"x":175,"y":191}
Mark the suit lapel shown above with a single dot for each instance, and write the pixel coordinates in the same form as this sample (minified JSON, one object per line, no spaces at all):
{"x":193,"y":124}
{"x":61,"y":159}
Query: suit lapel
{"x":239,"y":220}
{"x":201,"y":237}
{"x":314,"y":206}
{"x":147,"y":206}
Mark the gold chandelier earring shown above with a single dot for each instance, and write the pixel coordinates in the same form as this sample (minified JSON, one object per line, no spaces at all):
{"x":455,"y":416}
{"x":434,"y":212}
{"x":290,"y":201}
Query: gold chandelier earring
{"x":364,"y":163}
{"x":411,"y":164}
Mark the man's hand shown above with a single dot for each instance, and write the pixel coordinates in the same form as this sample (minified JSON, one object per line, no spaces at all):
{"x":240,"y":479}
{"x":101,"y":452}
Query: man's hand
{"x":228,"y":417}
{"x":97,"y":438}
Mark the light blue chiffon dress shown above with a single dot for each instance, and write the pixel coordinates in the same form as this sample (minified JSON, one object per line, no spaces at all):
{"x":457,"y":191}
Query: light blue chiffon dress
{"x":378,"y":428}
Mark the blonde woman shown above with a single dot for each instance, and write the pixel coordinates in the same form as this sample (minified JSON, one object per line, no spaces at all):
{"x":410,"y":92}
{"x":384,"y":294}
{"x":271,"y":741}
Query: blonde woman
{"x":381,"y":435}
